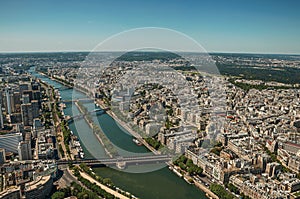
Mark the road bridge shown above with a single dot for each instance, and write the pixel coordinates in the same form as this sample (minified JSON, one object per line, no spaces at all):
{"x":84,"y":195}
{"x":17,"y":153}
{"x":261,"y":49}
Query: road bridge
{"x":119,"y":160}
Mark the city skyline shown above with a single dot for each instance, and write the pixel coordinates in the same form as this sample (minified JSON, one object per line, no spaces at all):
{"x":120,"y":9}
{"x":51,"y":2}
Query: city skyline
{"x":248,"y":27}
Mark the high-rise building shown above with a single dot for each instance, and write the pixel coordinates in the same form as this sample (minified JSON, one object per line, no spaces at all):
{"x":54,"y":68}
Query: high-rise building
{"x":36,"y":95}
{"x":8,"y":100}
{"x":2,"y":156}
{"x":36,"y":86}
{"x":37,"y":125}
{"x":16,"y":104}
{"x":1,"y":118}
{"x":25,"y":99}
{"x":24,"y":151}
{"x":1,"y":97}
{"x":23,"y":87}
{"x":15,"y":118}
{"x":35,"y":108}
{"x":10,"y":142}
{"x":29,"y":111}
{"x":27,"y":117}
{"x":28,"y":92}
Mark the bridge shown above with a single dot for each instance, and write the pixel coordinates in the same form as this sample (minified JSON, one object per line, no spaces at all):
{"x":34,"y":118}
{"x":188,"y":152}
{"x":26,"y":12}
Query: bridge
{"x":77,"y":100}
{"x":79,"y":116}
{"x":119,"y":160}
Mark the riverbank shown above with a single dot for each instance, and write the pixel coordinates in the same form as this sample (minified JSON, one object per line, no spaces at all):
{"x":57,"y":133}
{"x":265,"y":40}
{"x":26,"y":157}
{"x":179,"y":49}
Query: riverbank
{"x":171,"y":166}
{"x":126,"y":127}
{"x":92,"y":127}
{"x":159,"y":176}
{"x":102,"y":186}
{"x":208,"y":192}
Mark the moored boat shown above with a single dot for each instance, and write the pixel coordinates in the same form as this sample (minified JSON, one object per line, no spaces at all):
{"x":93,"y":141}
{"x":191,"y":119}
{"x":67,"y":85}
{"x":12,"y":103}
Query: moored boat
{"x":137,"y":142}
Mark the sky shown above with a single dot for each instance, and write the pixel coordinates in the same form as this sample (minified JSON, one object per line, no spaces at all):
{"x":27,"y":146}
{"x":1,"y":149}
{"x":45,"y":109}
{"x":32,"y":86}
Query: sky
{"x":255,"y":26}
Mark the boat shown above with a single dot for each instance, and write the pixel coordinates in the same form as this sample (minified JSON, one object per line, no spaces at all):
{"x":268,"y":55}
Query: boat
{"x":81,"y":155}
{"x":137,"y":142}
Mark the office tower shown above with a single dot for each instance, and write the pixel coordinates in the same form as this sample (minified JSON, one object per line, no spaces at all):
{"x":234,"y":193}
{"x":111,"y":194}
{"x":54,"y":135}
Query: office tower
{"x":1,"y":118}
{"x":25,"y":99}
{"x":2,"y":156}
{"x":16,"y":102}
{"x":37,"y":125}
{"x":35,"y":109}
{"x":29,"y":111}
{"x":24,"y":151}
{"x":10,"y":142}
{"x":27,"y":117}
{"x":36,"y":86}
{"x":15,"y":118}
{"x":23,"y":87}
{"x":36,"y":95}
{"x":28,"y":92}
{"x":8,"y":101}
{"x":1,"y":97}
{"x":27,"y":137}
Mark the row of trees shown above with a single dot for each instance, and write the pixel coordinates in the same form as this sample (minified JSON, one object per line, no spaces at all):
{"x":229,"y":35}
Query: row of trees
{"x":74,"y":190}
{"x":187,"y":165}
{"x":105,"y":181}
{"x":92,"y":186}
{"x":67,"y":135}
{"x":220,"y":191}
{"x":153,"y":142}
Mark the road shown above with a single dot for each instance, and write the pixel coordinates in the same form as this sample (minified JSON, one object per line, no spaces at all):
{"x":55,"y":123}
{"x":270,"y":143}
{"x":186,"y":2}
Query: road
{"x":67,"y":177}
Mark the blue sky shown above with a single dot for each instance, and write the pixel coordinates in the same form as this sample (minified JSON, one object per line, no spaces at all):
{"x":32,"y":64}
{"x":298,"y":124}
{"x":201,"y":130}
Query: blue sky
{"x":266,"y":26}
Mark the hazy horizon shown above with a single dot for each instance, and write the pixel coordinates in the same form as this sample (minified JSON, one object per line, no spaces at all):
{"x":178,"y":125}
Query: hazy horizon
{"x":263,"y":27}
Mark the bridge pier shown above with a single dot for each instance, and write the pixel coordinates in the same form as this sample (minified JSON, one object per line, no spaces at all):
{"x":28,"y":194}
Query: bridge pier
{"x":121,"y":165}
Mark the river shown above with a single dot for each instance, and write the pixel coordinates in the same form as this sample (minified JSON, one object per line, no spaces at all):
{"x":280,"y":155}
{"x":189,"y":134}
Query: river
{"x":161,"y":183}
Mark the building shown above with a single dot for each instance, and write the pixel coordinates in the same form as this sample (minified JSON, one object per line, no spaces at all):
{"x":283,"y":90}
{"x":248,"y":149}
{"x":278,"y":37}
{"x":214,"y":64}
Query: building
{"x":16,"y":102}
{"x":23,"y":86}
{"x":40,"y":188}
{"x":273,"y":168}
{"x":291,"y":147}
{"x":10,"y":142}
{"x":24,"y":151}
{"x":12,"y":193}
{"x":35,"y":108}
{"x":1,"y":118}
{"x":2,"y":156}
{"x":8,"y":95}
{"x":27,"y":117}
{"x":25,"y":99}
{"x":152,"y":128}
{"x":294,"y":164}
{"x":29,"y":111}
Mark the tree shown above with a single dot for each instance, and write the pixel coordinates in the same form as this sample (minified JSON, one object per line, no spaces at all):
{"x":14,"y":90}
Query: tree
{"x":189,"y":163}
{"x":107,"y":181}
{"x":58,"y":195}
{"x":182,"y":165}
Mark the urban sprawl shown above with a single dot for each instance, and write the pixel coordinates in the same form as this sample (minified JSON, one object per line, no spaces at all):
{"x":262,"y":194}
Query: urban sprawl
{"x":234,"y":134}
